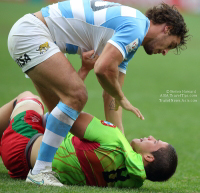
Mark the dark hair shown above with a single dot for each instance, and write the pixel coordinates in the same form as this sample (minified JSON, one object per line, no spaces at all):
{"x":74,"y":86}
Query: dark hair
{"x":164,"y":164}
{"x":170,"y":15}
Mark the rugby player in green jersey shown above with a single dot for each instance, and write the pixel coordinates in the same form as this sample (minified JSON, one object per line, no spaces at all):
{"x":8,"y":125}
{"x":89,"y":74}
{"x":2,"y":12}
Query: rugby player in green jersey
{"x":95,"y":153}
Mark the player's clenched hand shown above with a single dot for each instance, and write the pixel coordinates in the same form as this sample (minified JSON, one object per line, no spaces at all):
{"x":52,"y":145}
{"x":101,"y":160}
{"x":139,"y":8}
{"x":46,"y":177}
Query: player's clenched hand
{"x":88,"y":59}
{"x":125,"y":104}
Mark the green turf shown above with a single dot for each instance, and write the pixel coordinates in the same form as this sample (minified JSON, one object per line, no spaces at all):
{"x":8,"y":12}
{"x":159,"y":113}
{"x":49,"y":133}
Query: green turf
{"x":147,"y":78}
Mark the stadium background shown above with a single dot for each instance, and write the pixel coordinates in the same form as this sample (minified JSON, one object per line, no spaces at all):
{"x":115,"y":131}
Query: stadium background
{"x":191,"y":6}
{"x":148,"y":81}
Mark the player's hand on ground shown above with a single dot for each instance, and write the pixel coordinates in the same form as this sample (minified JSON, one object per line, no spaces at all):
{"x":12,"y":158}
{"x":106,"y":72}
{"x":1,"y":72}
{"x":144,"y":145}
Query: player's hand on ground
{"x":88,"y":59}
{"x":125,"y":104}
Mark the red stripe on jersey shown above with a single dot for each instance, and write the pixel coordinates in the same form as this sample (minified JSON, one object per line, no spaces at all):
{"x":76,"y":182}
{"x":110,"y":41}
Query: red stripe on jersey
{"x":90,"y":164}
{"x":97,"y":168}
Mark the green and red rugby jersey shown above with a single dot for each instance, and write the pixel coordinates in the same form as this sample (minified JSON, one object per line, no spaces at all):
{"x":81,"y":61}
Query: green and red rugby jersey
{"x":14,"y":140}
{"x":27,"y":123}
{"x":103,"y":158}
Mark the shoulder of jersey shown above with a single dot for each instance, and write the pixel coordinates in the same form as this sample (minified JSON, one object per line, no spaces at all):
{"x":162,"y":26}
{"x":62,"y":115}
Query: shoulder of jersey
{"x":132,"y":12}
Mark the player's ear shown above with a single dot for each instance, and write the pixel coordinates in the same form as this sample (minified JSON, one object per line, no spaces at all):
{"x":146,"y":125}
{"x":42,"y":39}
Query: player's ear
{"x":167,"y":29}
{"x":148,"y":157}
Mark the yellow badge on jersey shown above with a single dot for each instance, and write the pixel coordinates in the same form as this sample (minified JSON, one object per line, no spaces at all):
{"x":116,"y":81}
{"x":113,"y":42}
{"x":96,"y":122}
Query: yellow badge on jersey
{"x":43,"y":47}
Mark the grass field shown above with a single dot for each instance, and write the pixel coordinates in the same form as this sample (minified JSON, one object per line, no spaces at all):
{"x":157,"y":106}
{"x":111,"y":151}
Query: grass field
{"x":148,"y":77}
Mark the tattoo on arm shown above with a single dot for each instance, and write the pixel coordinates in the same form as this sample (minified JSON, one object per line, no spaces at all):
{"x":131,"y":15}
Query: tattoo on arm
{"x":112,"y":104}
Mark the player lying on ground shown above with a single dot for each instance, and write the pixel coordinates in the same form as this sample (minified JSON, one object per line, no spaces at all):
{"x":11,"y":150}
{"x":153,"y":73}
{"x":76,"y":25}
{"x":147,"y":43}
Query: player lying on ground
{"x":97,"y":153}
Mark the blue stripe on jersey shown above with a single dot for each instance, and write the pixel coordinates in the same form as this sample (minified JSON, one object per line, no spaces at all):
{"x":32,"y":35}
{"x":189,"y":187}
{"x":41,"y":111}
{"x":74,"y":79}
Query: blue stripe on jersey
{"x":45,"y":149}
{"x":71,"y":49}
{"x":65,"y":9}
{"x":113,"y":12}
{"x":124,"y":64}
{"x":73,"y":114}
{"x":45,"y":11}
{"x":61,"y":129}
{"x":115,"y":22}
{"x":89,"y":14}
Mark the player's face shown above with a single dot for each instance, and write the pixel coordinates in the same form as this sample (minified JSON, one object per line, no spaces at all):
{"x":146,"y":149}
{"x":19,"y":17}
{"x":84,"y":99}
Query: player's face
{"x":147,"y":145}
{"x":161,"y":44}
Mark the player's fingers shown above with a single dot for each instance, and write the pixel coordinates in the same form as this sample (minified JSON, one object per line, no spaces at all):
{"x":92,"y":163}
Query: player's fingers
{"x":95,"y":58}
{"x":88,"y":54}
{"x":137,"y":113}
{"x":134,"y":110}
{"x":140,"y":114}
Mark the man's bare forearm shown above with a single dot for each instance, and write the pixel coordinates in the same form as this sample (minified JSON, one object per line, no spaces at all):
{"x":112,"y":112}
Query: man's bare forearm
{"x":109,"y":82}
{"x":83,"y":72}
{"x":106,"y":70}
{"x":112,"y":115}
{"x":88,"y":61}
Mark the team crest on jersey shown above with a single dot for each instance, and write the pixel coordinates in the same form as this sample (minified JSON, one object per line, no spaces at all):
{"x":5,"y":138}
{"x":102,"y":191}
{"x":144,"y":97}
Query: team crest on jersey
{"x":133,"y":46}
{"x":35,"y":118}
{"x":43,"y":47}
{"x":106,"y":123}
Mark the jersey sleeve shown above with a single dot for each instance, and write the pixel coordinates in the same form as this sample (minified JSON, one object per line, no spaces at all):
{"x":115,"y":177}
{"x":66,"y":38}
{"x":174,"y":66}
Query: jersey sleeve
{"x":123,"y":66}
{"x":134,"y":165}
{"x":102,"y":132}
{"x":127,"y":37}
{"x":135,"y":170}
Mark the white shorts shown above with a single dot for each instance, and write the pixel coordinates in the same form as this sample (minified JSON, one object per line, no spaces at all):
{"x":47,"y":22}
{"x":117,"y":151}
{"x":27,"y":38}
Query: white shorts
{"x":30,"y":42}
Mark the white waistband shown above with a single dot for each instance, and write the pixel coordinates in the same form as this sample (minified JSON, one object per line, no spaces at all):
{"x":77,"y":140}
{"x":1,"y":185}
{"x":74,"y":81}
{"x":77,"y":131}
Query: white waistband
{"x":21,"y":104}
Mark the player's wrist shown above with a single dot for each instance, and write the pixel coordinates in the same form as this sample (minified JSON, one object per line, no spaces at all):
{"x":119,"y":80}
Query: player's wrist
{"x":85,"y":68}
{"x":83,"y":72}
{"x":120,"y":96}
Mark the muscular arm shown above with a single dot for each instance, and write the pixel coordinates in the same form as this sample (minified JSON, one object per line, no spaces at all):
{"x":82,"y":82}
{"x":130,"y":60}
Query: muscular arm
{"x":106,"y":70}
{"x":112,"y":115}
{"x":87,"y":64}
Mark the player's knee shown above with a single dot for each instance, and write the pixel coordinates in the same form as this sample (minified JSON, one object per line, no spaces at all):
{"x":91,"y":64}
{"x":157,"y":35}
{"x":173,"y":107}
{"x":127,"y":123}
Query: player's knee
{"x":81,"y":96}
{"x":26,"y":94}
{"x":76,"y":98}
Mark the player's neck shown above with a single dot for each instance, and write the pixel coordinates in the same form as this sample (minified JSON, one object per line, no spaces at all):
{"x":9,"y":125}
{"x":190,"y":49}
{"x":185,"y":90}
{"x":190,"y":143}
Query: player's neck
{"x":153,"y":32}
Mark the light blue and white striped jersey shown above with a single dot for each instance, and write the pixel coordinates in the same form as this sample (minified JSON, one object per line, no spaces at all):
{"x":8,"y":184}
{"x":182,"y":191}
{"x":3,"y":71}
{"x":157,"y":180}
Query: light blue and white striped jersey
{"x":82,"y":25}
